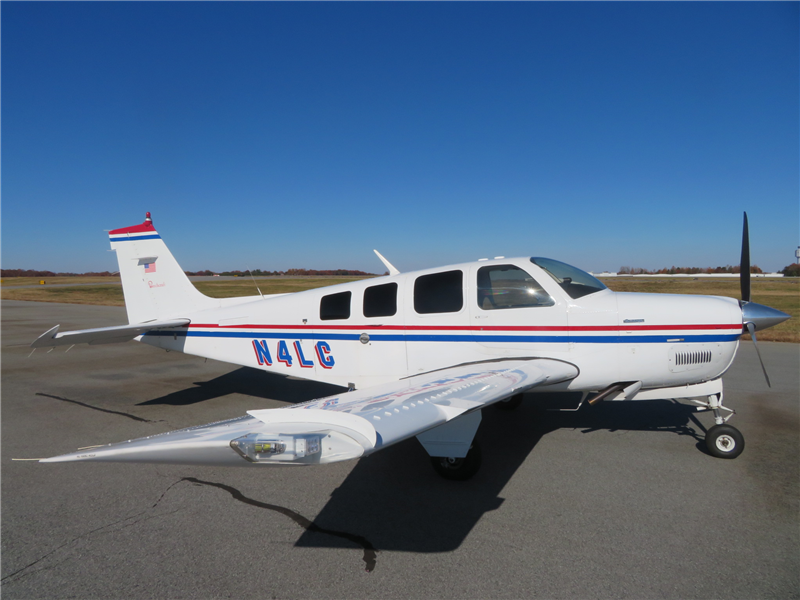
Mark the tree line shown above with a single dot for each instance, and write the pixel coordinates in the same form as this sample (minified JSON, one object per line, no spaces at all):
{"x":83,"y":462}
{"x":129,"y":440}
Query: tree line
{"x":207,"y":273}
{"x":792,"y":270}
{"x":289,"y":272}
{"x":789,"y":271}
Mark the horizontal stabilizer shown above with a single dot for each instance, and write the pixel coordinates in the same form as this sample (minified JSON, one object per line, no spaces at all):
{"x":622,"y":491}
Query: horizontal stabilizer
{"x":103,"y":335}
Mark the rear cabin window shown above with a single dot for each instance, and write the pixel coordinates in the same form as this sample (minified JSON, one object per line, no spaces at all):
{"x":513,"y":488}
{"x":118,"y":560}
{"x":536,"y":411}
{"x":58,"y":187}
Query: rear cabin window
{"x":439,"y":293}
{"x":508,"y":286}
{"x":380,"y":300}
{"x":335,"y":306}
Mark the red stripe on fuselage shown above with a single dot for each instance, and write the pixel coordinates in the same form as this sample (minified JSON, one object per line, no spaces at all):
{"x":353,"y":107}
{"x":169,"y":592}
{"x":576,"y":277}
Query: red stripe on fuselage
{"x":732,"y":326}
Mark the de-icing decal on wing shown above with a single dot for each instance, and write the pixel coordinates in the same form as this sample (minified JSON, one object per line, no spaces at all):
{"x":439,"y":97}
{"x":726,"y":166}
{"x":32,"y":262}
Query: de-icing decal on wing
{"x":416,"y":393}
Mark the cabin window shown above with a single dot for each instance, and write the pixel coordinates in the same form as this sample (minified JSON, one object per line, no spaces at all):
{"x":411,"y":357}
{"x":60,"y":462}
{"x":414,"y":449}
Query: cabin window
{"x":380,"y":300}
{"x":439,"y":293}
{"x":508,"y":286}
{"x":335,"y":306}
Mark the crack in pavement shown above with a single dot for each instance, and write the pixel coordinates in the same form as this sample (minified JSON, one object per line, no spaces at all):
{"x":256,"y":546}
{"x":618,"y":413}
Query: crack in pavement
{"x":370,"y":552}
{"x":133,"y":518}
{"x":105,"y":410}
{"x":369,"y":557}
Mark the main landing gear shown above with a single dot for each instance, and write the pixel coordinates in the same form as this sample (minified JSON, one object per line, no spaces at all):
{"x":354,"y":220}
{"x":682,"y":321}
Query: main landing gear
{"x":459,"y":469}
{"x":510,"y":403}
{"x":722,"y":440}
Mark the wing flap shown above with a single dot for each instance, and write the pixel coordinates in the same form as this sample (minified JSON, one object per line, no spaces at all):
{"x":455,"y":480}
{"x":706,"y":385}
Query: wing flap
{"x":103,"y":335}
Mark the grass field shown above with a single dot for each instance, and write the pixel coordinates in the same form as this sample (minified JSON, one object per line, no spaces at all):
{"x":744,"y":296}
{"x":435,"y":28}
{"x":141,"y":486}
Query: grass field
{"x":783,"y":294}
{"x":18,"y":281}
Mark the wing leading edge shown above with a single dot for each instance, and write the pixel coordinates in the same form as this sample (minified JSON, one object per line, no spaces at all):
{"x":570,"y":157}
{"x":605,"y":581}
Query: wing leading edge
{"x":344,"y":426}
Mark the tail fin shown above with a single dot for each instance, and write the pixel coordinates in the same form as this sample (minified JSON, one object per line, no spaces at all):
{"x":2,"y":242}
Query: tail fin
{"x":154,"y":284}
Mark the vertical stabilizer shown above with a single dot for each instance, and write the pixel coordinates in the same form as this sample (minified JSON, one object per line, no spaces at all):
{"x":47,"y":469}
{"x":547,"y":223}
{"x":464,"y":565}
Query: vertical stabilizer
{"x":154,"y":285}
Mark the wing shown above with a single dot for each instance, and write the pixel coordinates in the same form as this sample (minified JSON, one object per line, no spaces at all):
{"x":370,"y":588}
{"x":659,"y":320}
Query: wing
{"x":103,"y":335}
{"x":343,"y":426}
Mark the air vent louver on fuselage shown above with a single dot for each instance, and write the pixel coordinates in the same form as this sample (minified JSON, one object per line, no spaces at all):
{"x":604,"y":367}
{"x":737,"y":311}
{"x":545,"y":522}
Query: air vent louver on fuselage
{"x":687,"y":357}
{"x":692,"y":358}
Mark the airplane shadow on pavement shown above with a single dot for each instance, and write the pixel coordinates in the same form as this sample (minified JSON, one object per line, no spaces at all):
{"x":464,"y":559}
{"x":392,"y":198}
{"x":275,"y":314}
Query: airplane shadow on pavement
{"x":250,"y":382}
{"x":394,"y":498}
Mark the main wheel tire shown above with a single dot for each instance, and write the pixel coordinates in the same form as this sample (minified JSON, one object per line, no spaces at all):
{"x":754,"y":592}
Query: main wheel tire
{"x":724,"y":441}
{"x":459,"y":469}
{"x":511,"y":403}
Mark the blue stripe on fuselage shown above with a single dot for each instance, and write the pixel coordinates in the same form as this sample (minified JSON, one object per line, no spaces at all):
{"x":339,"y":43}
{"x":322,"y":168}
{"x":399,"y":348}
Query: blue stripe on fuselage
{"x":513,"y":339}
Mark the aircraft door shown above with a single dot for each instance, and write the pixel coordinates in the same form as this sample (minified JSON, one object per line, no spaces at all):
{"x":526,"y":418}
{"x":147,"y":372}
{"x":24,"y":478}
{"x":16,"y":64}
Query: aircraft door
{"x":513,"y":314}
{"x":380,"y":350}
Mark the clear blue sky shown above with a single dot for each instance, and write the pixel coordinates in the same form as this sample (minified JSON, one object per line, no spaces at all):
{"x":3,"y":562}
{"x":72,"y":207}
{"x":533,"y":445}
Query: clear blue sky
{"x":280,"y":135}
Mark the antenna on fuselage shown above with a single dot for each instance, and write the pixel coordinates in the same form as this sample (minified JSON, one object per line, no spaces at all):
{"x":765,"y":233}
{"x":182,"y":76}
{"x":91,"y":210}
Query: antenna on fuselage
{"x":392,"y":269}
{"x":254,"y":283}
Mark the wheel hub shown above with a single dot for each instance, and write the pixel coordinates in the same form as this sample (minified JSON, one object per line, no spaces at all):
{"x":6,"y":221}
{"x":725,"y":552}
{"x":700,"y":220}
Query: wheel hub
{"x":726,"y":443}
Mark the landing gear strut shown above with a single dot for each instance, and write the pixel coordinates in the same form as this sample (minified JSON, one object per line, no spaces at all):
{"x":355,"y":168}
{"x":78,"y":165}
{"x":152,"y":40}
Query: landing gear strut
{"x":722,"y":440}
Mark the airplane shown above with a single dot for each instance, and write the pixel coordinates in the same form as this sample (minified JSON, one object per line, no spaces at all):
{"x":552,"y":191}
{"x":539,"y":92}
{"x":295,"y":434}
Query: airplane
{"x":421,"y":354}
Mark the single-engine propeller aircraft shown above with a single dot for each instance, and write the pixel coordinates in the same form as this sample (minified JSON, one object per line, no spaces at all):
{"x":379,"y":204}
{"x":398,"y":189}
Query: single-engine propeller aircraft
{"x":421,"y":353}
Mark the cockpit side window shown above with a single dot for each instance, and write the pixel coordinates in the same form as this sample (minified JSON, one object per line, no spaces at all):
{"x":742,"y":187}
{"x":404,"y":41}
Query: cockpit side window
{"x":508,"y":286}
{"x":572,"y":280}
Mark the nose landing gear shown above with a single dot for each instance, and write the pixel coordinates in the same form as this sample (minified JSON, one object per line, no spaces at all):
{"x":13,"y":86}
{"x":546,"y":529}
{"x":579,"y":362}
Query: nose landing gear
{"x":722,"y":440}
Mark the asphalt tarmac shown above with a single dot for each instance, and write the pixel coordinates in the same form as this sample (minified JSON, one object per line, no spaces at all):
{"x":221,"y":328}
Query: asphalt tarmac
{"x":619,"y":500}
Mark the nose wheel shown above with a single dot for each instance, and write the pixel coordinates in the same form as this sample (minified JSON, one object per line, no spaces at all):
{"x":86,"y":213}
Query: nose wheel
{"x":724,"y":441}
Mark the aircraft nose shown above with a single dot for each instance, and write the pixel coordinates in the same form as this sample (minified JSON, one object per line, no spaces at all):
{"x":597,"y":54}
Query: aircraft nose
{"x":762,"y":316}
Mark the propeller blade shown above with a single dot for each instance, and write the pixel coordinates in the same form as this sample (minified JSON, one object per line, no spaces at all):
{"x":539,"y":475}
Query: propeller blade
{"x":744,"y":264}
{"x":752,"y":329}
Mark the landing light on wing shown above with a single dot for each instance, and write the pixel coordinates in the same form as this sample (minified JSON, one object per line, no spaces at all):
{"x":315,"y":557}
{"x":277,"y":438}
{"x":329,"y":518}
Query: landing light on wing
{"x":256,"y":448}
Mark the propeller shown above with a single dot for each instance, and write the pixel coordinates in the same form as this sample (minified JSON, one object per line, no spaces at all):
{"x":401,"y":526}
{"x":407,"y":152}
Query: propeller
{"x":754,"y":316}
{"x":752,"y":329}
{"x":744,"y":263}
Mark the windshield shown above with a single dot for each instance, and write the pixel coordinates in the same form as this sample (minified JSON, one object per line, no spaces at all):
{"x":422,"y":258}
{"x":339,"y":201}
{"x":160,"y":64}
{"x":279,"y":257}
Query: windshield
{"x":572,"y":280}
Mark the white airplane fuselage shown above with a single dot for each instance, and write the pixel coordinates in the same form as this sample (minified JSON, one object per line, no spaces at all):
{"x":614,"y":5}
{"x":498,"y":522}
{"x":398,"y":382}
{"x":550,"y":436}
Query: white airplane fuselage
{"x":650,"y":340}
{"x":426,"y":352}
